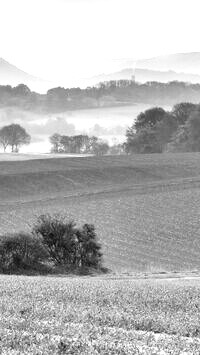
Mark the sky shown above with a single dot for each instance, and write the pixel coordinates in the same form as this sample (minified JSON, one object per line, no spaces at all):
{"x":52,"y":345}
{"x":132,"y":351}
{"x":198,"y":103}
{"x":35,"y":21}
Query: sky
{"x":59,"y":39}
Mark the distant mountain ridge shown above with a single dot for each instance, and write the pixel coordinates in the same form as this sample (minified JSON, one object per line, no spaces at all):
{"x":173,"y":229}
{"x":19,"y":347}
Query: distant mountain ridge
{"x":144,"y":75}
{"x":11,"y":75}
{"x":179,"y":62}
{"x":174,"y":67}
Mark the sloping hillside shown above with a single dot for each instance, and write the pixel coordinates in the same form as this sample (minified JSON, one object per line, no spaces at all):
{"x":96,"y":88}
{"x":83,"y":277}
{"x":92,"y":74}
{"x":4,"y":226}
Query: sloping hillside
{"x":49,"y":178}
{"x":143,"y":75}
{"x":180,"y":62}
{"x":145,"y":208}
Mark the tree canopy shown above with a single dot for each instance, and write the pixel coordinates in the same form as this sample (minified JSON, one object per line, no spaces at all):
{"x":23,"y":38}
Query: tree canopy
{"x":149,"y":118}
{"x":78,"y":144}
{"x":156,"y":130}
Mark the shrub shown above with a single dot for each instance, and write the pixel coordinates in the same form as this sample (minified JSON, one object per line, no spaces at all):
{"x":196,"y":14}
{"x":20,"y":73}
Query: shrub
{"x":21,"y":250}
{"x":89,"y":249}
{"x":59,"y":237}
{"x":66,"y":244}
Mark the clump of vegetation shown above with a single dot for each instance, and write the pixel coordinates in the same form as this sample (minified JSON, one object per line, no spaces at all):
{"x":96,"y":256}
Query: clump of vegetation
{"x":67,"y":244}
{"x":78,"y":144}
{"x":54,"y":240}
{"x":21,"y":251}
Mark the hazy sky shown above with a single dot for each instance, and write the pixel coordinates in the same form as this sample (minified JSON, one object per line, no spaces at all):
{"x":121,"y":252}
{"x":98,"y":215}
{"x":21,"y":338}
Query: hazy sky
{"x":57,"y":39}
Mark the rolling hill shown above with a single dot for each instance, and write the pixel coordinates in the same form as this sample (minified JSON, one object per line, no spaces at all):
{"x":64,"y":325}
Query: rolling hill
{"x":179,"y":62}
{"x":143,"y":75}
{"x":145,"y":208}
{"x":11,"y":75}
{"x":180,"y":66}
{"x":173,"y":67}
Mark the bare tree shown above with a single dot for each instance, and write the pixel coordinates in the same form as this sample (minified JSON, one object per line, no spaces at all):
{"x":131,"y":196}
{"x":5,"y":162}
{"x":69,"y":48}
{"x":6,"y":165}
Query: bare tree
{"x":14,"y":136}
{"x":4,"y":137}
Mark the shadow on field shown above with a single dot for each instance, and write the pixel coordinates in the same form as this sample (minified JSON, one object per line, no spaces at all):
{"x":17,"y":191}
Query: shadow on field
{"x":48,"y":270}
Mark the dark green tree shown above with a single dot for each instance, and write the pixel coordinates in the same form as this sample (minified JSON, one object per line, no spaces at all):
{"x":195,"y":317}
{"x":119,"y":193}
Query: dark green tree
{"x":149,"y":118}
{"x":182,"y":111}
{"x":144,"y":141}
{"x":187,"y":136}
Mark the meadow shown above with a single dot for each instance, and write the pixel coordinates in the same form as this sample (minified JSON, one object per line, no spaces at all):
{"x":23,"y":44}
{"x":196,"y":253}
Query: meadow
{"x":145,"y":207}
{"x":89,"y":316}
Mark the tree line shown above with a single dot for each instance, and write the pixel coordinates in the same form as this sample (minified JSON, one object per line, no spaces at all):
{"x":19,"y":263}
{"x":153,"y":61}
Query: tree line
{"x":156,"y":130}
{"x":14,"y":136}
{"x":110,"y":93}
{"x":82,"y":144}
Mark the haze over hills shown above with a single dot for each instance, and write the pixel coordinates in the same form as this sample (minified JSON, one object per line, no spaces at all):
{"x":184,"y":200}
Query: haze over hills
{"x":180,"y":67}
{"x":144,"y":75}
{"x":179,"y":62}
{"x":174,"y":67}
{"x":104,"y":111}
{"x":11,"y":75}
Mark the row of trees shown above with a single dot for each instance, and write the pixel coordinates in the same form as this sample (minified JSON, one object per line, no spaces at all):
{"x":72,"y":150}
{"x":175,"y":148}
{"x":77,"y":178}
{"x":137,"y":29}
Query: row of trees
{"x":154,"y":131}
{"x":55,"y":241}
{"x":157,"y":130}
{"x":13,"y":136}
{"x":79,"y":144}
{"x":104,"y":94}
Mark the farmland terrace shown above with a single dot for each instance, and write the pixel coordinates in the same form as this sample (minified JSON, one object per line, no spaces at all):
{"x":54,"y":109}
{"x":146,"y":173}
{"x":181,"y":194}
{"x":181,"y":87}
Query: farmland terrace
{"x":145,"y":207}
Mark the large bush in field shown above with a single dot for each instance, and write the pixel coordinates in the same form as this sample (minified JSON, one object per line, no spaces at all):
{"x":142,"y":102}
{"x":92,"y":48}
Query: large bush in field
{"x":66,"y":244}
{"x":21,"y":250}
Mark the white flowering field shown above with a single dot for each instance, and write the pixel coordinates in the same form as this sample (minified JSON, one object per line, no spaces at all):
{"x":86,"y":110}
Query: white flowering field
{"x":49,"y":315}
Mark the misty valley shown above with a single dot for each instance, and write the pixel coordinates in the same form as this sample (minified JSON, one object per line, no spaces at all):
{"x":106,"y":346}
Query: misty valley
{"x":99,"y":177}
{"x":107,"y":123}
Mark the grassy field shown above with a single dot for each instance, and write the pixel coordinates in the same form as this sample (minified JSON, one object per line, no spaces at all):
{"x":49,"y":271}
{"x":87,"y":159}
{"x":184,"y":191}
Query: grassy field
{"x":89,"y":316}
{"x":145,"y":207}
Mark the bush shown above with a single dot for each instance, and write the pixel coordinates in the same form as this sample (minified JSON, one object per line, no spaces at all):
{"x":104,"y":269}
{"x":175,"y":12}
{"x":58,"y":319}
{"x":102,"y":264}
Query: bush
{"x":89,"y":253}
{"x":68,"y":245}
{"x":21,"y":250}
